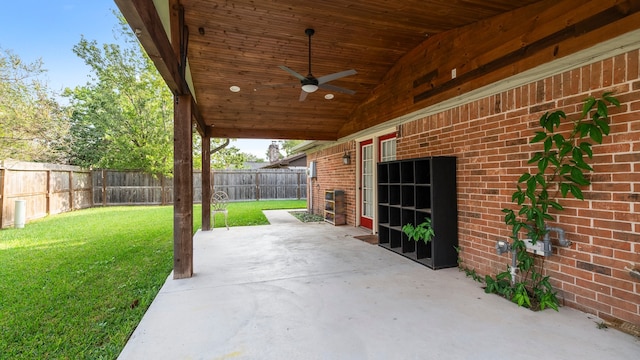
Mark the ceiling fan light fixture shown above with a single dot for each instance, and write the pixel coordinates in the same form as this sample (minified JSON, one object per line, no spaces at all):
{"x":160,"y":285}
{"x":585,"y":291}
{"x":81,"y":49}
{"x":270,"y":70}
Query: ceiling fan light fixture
{"x":309,"y":88}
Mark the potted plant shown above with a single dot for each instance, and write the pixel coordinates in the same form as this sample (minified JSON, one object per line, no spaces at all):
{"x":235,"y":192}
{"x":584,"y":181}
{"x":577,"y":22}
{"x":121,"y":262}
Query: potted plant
{"x":423,"y":232}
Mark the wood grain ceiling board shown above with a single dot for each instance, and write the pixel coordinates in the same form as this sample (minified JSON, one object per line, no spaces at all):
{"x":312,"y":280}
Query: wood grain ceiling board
{"x":244,"y":42}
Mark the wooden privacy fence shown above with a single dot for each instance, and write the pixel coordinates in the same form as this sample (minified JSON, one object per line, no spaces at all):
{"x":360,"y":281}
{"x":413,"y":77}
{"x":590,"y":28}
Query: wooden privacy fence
{"x":112,"y":187}
{"x":51,"y":189}
{"x":261,"y":184}
{"x":46,"y":189}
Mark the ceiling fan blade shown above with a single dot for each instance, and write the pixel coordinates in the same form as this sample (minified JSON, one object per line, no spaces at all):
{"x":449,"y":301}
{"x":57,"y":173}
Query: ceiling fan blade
{"x":303,"y":95}
{"x":338,"y":75}
{"x":336,"y":88}
{"x":300,"y":77}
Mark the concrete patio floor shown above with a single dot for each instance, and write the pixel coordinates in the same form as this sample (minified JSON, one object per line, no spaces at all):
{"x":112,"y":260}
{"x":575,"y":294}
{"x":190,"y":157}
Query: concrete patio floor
{"x":311,"y":291}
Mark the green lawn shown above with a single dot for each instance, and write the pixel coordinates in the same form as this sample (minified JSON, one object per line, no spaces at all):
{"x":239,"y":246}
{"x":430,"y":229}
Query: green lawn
{"x":75,"y":285}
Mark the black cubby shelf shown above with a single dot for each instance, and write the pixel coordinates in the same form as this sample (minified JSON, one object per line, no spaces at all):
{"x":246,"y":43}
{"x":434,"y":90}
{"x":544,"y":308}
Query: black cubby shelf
{"x":409,"y":191}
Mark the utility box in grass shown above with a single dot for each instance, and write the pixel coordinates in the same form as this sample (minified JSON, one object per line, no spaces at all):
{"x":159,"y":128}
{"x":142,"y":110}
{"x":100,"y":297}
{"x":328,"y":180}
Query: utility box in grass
{"x":20,"y":214}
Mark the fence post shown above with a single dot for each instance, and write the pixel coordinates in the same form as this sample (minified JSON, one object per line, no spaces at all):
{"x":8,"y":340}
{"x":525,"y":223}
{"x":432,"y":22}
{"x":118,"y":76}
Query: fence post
{"x":163,"y":196}
{"x":257,"y":186}
{"x":2,"y":176}
{"x":104,"y":187}
{"x":71,"y":192}
{"x":299,"y":190}
{"x":48,"y":195}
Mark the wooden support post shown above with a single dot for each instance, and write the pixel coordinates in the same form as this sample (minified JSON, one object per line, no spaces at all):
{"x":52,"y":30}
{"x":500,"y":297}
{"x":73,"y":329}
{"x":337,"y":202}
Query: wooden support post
{"x":206,"y":183}
{"x":182,"y":189}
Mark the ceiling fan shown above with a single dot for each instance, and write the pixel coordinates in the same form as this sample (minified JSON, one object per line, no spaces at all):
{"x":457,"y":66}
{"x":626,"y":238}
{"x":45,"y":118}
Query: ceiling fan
{"x":310,"y":83}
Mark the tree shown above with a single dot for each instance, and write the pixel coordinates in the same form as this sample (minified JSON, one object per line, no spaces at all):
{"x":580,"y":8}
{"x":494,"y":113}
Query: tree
{"x":228,"y":158}
{"x":33,"y":126}
{"x":123,"y":119}
{"x":288,"y":145}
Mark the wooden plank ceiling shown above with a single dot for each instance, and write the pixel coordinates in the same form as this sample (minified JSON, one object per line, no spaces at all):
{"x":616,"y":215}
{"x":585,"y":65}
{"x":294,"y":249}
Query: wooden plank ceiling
{"x":242,"y":43}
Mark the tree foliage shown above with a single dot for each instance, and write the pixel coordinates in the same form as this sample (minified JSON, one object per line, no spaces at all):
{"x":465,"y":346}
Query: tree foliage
{"x":123,"y":118}
{"x":230,"y":157}
{"x":33,"y":126}
{"x":288,"y":145}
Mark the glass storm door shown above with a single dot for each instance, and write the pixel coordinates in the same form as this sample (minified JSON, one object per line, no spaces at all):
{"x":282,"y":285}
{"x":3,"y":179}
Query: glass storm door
{"x":366,"y":184}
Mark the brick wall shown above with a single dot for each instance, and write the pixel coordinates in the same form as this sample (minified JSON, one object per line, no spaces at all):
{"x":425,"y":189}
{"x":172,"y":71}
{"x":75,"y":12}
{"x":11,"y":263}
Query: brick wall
{"x":334,"y":175}
{"x":490,"y":139}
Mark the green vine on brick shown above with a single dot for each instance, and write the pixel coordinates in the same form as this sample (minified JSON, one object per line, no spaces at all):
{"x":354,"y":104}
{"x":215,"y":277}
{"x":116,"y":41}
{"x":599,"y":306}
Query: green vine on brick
{"x":561,"y":171}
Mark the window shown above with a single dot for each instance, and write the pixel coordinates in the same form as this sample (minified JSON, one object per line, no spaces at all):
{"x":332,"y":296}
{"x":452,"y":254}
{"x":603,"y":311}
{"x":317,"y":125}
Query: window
{"x":388,"y":147}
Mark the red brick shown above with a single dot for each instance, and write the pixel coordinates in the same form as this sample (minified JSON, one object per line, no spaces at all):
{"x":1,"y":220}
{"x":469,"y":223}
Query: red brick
{"x":633,"y":59}
{"x":619,"y":69}
{"x":617,"y":303}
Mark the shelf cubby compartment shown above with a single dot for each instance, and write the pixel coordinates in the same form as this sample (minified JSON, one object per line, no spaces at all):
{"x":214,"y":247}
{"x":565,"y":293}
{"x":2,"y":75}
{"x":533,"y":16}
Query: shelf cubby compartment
{"x":394,"y":194}
{"x":408,"y":217}
{"x":408,"y":246}
{"x":383,"y":194}
{"x":395,"y":238}
{"x":423,"y":251}
{"x":406,"y":172}
{"x":383,"y":234}
{"x":383,"y":174}
{"x":383,"y":214}
{"x":421,"y":216}
{"x":394,"y":217}
{"x":407,"y":197}
{"x":422,"y":171}
{"x":423,"y":197}
{"x":394,"y":172}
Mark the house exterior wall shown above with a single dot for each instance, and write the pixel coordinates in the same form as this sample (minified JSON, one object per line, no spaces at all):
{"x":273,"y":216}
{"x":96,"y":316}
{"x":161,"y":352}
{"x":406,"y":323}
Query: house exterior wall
{"x":333,"y":175}
{"x":490,"y":137}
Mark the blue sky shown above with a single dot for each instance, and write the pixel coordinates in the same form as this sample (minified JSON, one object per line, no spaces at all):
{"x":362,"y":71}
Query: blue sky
{"x":48,"y":29}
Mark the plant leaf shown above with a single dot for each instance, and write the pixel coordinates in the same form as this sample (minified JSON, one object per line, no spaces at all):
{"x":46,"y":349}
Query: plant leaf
{"x":524,"y":177}
{"x":586,"y":148}
{"x":542,"y":164}
{"x":577,"y":193}
{"x":539,"y":136}
{"x":537,"y":156}
{"x":612,"y":100}
{"x":595,"y":134}
{"x":559,"y":140}
{"x":578,"y":177}
{"x":588,"y":105}
{"x":547,"y":144}
{"x":604,"y":127}
{"x":556,"y":205}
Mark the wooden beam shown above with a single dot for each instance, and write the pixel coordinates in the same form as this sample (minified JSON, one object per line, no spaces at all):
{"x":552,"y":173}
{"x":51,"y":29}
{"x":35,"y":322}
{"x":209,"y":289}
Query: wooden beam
{"x":489,"y":51}
{"x":206,"y":183}
{"x":182,"y":189}
{"x":145,"y":22}
{"x":232,"y":133}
